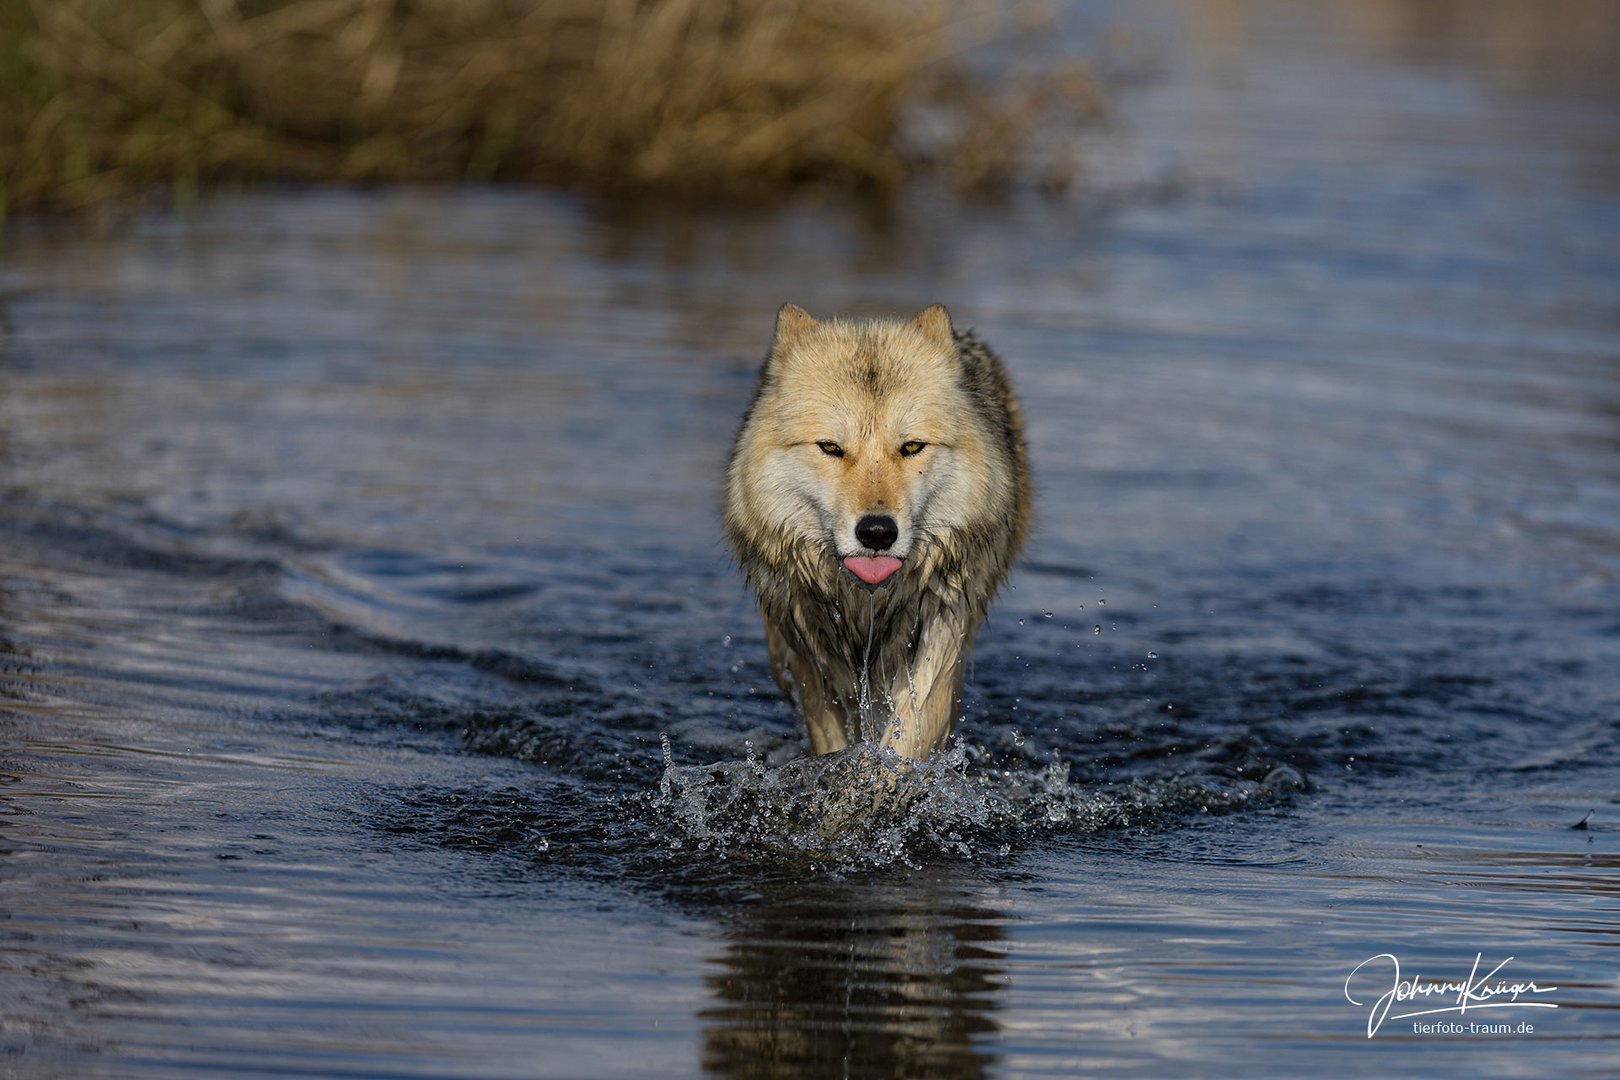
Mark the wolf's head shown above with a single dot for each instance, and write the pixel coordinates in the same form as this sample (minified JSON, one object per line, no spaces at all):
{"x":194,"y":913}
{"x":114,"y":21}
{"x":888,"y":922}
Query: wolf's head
{"x":863,"y":447}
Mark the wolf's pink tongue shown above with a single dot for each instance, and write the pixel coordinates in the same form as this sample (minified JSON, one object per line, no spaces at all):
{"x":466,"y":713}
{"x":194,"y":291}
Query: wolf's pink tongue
{"x":872,"y":570}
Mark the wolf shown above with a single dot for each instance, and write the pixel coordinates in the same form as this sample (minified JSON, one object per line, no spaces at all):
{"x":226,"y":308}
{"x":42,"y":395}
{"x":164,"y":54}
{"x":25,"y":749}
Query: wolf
{"x":877,"y":493}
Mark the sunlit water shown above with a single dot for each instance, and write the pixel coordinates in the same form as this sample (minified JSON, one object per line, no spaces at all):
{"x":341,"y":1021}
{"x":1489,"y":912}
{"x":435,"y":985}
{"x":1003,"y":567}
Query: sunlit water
{"x":376,"y":697}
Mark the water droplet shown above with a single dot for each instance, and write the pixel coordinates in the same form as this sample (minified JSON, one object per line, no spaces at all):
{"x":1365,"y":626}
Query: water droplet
{"x":1047,"y":614}
{"x":1102,"y":603}
{"x":669,"y":757}
{"x":1020,"y":622}
{"x":1018,"y":737}
{"x":1097,"y":629}
{"x":1152,"y":655}
{"x":725,"y":642}
{"x":542,"y":844}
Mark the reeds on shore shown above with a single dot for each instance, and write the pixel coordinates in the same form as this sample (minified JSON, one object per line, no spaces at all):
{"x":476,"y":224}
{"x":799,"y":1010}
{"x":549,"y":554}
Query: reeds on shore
{"x":684,"y":98}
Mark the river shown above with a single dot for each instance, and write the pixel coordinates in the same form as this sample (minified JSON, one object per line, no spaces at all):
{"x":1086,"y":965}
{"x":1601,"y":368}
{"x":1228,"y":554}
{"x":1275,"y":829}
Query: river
{"x":360,"y":564}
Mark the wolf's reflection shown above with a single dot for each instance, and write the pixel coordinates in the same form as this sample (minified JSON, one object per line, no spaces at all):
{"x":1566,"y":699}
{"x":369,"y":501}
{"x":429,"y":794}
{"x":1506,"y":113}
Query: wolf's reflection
{"x":877,"y":978}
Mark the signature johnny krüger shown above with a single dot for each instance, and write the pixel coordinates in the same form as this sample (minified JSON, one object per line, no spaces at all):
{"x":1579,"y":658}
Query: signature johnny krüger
{"x":1476,"y":992}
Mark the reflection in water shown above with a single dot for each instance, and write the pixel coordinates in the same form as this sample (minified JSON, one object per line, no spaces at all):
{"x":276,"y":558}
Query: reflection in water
{"x":1561,"y":49}
{"x":865,"y":978}
{"x":1558,"y":48}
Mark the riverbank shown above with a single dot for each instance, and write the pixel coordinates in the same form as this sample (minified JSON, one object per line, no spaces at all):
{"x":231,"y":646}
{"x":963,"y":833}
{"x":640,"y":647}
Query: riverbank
{"x":741,"y":99}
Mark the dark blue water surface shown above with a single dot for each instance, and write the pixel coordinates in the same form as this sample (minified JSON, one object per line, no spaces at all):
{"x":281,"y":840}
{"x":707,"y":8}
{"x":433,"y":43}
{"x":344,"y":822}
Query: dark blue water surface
{"x":359,"y":553}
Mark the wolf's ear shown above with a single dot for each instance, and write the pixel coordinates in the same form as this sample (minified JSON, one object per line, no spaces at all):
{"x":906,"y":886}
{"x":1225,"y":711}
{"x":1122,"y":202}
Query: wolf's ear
{"x":935,"y":323}
{"x":792,"y":322}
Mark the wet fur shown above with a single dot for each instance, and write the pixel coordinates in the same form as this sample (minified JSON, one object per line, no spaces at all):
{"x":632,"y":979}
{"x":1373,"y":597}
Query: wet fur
{"x":884,"y":662}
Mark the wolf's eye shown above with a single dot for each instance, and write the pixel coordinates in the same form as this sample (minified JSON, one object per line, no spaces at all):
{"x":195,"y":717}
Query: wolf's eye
{"x":830,"y":448}
{"x":911,"y":447}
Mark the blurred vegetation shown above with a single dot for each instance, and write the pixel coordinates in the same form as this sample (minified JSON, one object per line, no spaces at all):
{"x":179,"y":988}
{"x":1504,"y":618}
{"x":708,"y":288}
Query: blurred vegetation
{"x":686,"y":98}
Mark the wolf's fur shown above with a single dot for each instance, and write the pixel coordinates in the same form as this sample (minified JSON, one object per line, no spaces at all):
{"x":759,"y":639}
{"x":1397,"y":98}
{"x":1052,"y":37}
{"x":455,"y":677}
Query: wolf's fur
{"x":881,"y":662}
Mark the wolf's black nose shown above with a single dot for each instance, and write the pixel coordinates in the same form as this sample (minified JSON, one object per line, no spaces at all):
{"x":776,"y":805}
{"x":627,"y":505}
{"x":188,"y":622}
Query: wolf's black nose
{"x":877,"y":531}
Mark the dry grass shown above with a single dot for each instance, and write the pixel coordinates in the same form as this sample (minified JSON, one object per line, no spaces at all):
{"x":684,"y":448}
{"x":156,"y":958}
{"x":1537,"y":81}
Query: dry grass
{"x":687,"y":98}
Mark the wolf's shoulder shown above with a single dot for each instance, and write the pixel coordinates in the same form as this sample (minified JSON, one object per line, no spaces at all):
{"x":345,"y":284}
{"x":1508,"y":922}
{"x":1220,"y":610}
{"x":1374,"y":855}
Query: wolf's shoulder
{"x":978,"y":359}
{"x":983,"y":375}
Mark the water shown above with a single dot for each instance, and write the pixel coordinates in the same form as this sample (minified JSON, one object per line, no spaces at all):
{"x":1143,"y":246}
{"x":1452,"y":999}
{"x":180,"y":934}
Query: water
{"x":359,"y":551}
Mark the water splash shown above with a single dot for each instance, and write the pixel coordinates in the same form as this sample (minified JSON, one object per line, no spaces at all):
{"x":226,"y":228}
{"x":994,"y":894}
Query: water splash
{"x":867,"y":807}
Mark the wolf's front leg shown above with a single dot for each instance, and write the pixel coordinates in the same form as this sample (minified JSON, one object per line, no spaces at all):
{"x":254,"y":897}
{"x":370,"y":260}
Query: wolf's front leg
{"x":824,"y":717}
{"x":806,"y":685}
{"x":928,"y":694}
